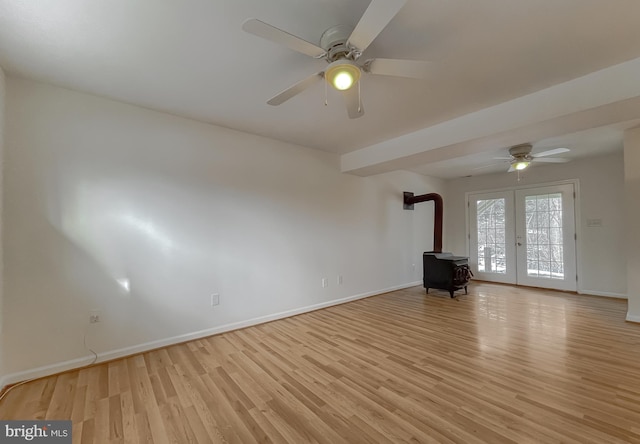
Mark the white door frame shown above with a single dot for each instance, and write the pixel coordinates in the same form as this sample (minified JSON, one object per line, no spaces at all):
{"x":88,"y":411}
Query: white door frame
{"x":577,"y":206}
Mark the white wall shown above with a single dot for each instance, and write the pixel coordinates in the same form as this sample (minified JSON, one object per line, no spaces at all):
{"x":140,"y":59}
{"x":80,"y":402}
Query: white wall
{"x":632,"y":239}
{"x":2,"y":101}
{"x":98,"y":191}
{"x":601,"y":249}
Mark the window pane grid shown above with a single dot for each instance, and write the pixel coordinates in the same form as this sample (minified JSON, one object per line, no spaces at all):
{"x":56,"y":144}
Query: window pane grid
{"x":491,"y":236}
{"x":543,"y":216}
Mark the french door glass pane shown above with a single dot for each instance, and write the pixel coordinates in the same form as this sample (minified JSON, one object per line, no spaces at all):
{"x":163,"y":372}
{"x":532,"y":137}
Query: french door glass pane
{"x":543,"y":215}
{"x":491,"y":236}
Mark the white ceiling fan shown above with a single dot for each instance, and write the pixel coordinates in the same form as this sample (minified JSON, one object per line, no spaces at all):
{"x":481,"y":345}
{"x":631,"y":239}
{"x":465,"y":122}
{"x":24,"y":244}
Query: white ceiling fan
{"x":341,"y":47}
{"x":521,"y":156}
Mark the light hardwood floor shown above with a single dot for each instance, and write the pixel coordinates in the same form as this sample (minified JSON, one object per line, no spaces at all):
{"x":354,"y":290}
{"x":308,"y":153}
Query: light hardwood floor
{"x":502,"y":364}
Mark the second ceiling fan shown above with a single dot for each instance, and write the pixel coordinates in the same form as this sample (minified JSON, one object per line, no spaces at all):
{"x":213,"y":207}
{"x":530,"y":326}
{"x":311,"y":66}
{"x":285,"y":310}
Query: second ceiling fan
{"x":520,"y":156}
{"x":342,"y":47}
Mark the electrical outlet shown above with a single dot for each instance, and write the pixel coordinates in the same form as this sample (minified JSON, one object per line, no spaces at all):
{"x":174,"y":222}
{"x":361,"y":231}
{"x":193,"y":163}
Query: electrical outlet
{"x":94,"y":316}
{"x":325,"y":282}
{"x":339,"y":280}
{"x":215,"y":299}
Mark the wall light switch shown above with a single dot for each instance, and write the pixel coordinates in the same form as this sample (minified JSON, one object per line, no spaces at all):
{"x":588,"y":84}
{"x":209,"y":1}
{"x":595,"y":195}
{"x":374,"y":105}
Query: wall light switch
{"x":594,"y":222}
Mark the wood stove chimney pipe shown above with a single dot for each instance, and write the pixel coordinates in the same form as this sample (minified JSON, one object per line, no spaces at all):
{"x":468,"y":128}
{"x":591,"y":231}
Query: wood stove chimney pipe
{"x":410,"y":200}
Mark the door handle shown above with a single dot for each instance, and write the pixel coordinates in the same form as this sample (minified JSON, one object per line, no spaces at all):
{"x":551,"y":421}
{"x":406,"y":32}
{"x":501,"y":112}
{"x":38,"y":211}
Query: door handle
{"x":519,"y":244}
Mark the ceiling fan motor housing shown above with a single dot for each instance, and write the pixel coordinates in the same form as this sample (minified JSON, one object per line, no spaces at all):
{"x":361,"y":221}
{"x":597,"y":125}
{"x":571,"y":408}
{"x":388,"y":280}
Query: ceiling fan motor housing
{"x":521,"y":152}
{"x":334,"y":42}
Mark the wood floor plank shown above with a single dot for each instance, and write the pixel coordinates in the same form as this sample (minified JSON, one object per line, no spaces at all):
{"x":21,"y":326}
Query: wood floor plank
{"x":501,"y":365}
{"x":129,"y":431}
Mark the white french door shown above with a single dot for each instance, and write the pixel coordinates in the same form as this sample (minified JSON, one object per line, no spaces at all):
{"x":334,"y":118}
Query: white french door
{"x":545,"y":237}
{"x":493,"y":252}
{"x":524,"y":236}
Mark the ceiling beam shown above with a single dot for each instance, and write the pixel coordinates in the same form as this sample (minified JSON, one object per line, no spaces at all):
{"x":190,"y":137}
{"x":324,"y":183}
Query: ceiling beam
{"x":601,"y":98}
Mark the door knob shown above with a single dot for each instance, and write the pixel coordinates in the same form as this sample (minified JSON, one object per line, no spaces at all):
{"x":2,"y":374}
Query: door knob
{"x":519,"y":244}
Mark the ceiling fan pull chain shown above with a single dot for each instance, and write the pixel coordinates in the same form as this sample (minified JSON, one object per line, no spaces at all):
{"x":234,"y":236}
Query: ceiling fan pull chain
{"x":359,"y":100}
{"x":326,"y":99}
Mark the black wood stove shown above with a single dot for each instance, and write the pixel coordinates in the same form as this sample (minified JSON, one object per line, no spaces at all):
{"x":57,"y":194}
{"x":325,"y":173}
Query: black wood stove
{"x":445,"y":271}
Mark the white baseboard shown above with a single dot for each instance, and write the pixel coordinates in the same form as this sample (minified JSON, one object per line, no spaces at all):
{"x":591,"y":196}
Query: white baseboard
{"x":633,"y":318}
{"x":63,"y":366}
{"x":45,"y":370}
{"x":603,"y":293}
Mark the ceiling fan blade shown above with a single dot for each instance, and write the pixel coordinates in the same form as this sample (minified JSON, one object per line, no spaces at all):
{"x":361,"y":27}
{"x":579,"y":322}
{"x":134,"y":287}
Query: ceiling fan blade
{"x":295,"y":89}
{"x":550,"y":159}
{"x":503,"y":158}
{"x":551,"y":152}
{"x":373,"y":21}
{"x":416,"y":69}
{"x":276,"y":35}
{"x":354,"y":105}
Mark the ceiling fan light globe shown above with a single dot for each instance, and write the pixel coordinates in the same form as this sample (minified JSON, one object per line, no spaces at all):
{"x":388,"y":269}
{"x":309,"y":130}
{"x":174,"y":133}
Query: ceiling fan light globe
{"x":343,"y":80}
{"x":342,"y":74}
{"x":520,"y":165}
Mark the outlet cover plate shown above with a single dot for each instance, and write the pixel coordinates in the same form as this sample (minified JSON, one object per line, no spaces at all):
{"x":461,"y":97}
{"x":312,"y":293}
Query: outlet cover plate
{"x":95,"y":316}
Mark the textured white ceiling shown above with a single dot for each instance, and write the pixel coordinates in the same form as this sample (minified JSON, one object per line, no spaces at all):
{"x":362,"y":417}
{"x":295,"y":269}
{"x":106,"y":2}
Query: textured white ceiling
{"x":191,"y":58}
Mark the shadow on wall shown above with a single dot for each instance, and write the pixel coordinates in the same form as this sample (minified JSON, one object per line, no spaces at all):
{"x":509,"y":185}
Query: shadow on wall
{"x":171,"y":250}
{"x":50,"y":314}
{"x":147,"y":254}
